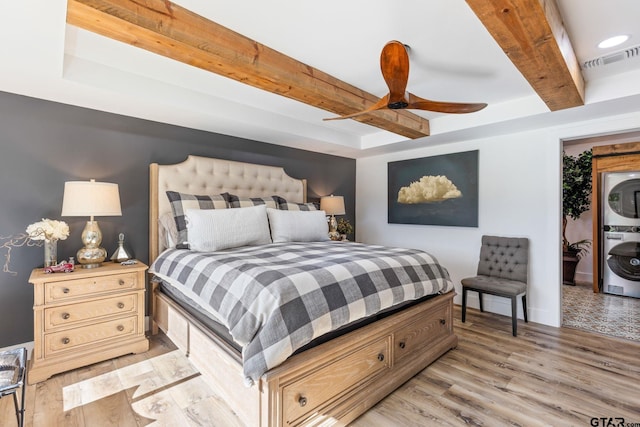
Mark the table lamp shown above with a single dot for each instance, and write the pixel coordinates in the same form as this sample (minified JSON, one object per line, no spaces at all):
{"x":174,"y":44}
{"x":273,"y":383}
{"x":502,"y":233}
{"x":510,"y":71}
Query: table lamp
{"x":332,"y":205}
{"x":91,"y":198}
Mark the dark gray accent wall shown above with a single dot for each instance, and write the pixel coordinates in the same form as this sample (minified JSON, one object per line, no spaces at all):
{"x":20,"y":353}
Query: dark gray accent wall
{"x":43,"y":144}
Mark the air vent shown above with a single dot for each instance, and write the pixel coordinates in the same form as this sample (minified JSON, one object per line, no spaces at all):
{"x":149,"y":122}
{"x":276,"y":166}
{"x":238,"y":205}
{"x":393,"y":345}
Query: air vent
{"x":618,"y":290}
{"x":613,"y":57}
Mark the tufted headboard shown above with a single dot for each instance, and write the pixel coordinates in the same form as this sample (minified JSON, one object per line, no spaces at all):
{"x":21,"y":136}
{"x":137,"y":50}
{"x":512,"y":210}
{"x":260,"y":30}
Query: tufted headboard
{"x":208,"y":176}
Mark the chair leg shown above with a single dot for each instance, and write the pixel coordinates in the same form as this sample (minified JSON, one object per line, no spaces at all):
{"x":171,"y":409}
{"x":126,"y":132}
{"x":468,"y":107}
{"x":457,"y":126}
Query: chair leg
{"x":524,"y":306}
{"x":514,"y":315}
{"x":480,"y":299}
{"x":464,"y":304}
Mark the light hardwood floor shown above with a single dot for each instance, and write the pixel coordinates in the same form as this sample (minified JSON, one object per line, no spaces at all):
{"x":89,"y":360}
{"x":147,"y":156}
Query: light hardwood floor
{"x":545,"y":376}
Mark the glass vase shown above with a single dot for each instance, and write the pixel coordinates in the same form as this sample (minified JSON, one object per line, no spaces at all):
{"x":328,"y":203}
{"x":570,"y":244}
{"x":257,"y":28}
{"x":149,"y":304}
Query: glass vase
{"x":50,"y":252}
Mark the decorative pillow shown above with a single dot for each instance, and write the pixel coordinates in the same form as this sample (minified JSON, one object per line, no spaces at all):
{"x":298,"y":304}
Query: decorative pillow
{"x":217,"y":229}
{"x":168,"y":231}
{"x":244,"y":202}
{"x":290,"y":206}
{"x":298,"y":226}
{"x":180,"y":202}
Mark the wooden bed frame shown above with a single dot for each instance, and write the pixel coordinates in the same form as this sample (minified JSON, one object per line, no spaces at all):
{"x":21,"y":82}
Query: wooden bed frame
{"x":331,"y":384}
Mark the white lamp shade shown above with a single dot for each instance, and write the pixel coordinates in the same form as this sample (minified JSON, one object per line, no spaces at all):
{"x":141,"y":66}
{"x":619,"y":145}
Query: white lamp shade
{"x":91,"y":198}
{"x":332,"y":205}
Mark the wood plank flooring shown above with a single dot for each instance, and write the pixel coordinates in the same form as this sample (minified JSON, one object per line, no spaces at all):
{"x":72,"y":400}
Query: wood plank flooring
{"x":544,"y":377}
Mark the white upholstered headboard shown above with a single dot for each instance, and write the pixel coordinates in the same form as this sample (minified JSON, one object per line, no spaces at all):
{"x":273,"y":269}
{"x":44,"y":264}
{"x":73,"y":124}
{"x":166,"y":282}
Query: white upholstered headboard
{"x":207,"y":176}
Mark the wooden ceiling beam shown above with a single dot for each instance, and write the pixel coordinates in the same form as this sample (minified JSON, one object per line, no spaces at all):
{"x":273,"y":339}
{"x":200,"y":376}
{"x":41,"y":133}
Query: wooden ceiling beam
{"x":532,"y":34}
{"x":167,"y":29}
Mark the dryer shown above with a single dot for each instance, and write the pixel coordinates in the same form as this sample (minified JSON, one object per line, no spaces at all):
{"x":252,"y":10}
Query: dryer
{"x":621,"y":233}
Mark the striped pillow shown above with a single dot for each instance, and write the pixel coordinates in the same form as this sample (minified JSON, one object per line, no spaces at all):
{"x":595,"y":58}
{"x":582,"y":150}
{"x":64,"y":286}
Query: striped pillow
{"x":180,"y":202}
{"x":290,"y":206}
{"x":246,"y":202}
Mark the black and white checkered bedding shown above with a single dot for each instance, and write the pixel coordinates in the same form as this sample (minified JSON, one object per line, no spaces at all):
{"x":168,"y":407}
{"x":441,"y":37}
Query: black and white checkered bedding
{"x":276,"y":298}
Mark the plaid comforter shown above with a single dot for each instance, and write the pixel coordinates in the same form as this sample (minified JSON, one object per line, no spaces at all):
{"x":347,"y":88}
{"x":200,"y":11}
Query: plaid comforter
{"x":276,"y":298}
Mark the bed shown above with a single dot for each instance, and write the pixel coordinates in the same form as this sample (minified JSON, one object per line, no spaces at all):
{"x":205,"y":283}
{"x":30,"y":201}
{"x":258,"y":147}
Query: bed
{"x":332,"y":379}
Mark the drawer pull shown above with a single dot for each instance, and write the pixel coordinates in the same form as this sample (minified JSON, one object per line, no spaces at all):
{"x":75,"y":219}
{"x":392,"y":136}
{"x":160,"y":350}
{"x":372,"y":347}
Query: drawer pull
{"x":65,"y":290}
{"x":443,"y":321}
{"x":65,"y":316}
{"x":121,"y":282}
{"x":120,"y":328}
{"x":402,"y":344}
{"x":302,"y":401}
{"x":381,"y":357}
{"x":66,"y":340}
{"x":120,"y":305}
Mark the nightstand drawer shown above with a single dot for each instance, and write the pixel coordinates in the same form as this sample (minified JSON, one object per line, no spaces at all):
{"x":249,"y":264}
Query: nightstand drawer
{"x":74,"y":288}
{"x":68,"y":315}
{"x":62,"y":341}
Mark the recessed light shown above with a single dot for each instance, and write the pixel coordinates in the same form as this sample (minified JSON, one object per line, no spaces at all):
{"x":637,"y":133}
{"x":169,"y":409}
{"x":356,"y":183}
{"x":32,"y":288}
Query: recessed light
{"x":613,"y":41}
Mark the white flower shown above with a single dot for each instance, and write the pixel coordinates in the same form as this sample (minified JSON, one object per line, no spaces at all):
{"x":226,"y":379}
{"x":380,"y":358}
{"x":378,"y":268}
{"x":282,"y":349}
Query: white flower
{"x":48,"y":229}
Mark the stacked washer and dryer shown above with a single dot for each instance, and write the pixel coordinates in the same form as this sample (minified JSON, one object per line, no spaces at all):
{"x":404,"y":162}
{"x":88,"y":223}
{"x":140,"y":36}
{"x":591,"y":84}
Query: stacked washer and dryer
{"x":621,"y":233}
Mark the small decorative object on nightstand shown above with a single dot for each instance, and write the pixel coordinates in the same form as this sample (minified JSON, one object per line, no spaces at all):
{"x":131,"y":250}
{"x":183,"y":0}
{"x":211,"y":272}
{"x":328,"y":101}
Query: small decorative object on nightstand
{"x":86,"y":316}
{"x":121,"y":254}
{"x":332,"y":205}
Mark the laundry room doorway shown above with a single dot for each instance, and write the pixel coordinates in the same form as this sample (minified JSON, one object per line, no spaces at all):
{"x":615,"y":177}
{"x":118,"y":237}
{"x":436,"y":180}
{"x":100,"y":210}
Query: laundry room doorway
{"x":608,"y":310}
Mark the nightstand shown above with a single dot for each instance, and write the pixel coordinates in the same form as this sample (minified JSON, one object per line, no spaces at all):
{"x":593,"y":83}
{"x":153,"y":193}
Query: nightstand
{"x":86,"y":316}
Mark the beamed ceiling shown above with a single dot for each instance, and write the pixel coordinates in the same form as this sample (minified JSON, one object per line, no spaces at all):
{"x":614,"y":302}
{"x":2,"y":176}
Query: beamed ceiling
{"x":271,"y":71}
{"x":530,"y":32}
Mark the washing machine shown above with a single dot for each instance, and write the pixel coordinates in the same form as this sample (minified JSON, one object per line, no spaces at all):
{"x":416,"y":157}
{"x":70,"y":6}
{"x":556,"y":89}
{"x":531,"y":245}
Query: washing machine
{"x":621,"y":233}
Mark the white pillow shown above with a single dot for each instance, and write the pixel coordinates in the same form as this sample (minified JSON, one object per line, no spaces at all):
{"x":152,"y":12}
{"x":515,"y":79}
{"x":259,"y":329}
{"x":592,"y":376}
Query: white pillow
{"x":298,"y":226}
{"x":217,"y":229}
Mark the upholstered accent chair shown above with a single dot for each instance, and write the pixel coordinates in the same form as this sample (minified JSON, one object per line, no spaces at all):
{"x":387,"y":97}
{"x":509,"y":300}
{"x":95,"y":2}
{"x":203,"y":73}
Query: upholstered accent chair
{"x":502,"y":271}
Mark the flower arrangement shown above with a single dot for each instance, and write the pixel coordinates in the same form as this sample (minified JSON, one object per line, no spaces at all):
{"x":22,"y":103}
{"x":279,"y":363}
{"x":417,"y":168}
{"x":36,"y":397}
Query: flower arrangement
{"x":344,"y":227}
{"x":48,"y":229}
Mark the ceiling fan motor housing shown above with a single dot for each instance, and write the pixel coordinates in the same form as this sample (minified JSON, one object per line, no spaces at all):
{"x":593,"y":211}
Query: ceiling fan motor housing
{"x":399,"y":105}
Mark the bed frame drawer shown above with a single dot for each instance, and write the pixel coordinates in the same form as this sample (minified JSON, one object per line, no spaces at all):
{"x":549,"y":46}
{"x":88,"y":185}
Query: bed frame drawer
{"x":320,"y":387}
{"x":422,"y":333}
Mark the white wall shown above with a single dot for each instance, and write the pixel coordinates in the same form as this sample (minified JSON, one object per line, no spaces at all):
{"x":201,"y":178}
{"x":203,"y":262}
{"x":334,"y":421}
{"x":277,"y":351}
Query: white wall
{"x":519,"y":195}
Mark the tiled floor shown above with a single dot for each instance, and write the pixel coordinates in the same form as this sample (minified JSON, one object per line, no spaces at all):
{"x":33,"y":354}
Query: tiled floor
{"x":603,"y":313}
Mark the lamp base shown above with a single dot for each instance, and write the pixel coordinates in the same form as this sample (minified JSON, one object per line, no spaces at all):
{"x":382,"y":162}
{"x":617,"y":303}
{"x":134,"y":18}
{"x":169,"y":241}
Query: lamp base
{"x":333,"y":226}
{"x":91,"y":257}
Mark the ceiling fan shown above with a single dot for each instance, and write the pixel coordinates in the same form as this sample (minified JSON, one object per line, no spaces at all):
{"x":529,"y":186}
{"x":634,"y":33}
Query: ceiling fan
{"x":394,"y":63}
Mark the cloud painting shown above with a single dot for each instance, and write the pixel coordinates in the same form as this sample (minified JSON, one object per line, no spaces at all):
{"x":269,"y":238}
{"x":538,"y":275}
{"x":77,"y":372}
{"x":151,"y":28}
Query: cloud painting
{"x":437,"y":190}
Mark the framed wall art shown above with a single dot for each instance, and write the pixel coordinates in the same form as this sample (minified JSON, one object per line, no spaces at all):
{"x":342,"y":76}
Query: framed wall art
{"x":437,"y":190}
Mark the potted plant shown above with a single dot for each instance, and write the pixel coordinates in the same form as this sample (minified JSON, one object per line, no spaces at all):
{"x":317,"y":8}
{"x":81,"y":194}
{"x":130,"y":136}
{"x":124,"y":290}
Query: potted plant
{"x":576,"y":199}
{"x":344,"y":228}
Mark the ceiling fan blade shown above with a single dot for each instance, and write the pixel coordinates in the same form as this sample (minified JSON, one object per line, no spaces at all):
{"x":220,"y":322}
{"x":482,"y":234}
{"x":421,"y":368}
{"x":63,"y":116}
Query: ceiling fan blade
{"x":418,"y":103}
{"x":394,"y":63}
{"x":380,"y":105}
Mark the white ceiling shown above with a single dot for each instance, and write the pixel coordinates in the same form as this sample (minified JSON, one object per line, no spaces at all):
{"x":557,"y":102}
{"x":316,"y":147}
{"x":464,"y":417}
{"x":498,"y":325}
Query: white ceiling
{"x":452,"y":57}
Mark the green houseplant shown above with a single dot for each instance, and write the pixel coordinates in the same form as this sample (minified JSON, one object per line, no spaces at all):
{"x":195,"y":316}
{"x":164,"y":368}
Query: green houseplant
{"x":576,"y":199}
